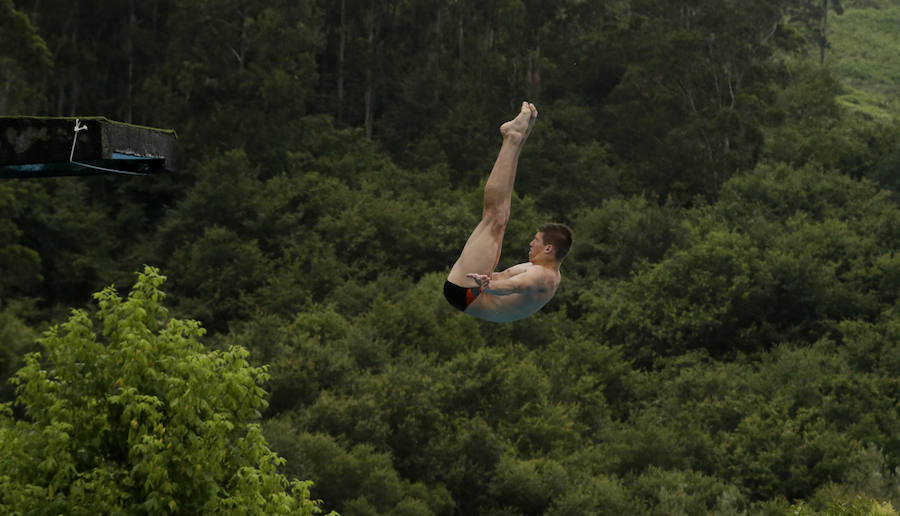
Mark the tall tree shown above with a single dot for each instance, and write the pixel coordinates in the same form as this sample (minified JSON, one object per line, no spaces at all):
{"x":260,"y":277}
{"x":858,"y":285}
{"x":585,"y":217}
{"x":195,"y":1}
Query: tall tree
{"x":246,"y":79}
{"x":812,"y":15}
{"x":127,"y":412}
{"x":691,"y":108}
{"x":102,"y":51}
{"x":23,"y":57}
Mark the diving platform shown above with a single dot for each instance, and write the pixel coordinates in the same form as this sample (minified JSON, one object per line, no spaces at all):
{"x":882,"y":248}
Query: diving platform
{"x":35,"y":147}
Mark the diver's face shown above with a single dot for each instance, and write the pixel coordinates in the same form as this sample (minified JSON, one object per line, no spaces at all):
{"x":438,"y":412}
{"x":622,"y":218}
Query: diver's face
{"x":536,"y":246}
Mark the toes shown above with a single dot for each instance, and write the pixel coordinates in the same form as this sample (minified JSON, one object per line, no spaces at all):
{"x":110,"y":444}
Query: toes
{"x":529,"y":108}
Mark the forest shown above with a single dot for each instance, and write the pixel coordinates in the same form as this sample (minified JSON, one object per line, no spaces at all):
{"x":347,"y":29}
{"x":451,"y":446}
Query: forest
{"x":262,"y":331}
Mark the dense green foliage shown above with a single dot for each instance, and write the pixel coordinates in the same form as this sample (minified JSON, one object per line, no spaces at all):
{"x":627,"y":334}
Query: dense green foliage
{"x":136,"y":417}
{"x":725,"y":340}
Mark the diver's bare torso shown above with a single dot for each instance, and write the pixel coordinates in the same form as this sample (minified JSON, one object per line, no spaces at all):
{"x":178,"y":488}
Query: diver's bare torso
{"x":537,"y":285}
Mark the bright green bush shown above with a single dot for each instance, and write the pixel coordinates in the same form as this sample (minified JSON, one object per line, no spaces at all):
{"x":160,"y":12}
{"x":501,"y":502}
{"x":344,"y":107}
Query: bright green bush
{"x":125,"y":411}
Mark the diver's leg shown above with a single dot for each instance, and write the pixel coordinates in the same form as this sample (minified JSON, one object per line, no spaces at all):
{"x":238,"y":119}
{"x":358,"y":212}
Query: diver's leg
{"x":482,"y":251}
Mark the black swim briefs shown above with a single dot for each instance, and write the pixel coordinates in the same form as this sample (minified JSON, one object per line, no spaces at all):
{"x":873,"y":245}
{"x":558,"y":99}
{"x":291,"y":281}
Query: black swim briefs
{"x":460,"y":297}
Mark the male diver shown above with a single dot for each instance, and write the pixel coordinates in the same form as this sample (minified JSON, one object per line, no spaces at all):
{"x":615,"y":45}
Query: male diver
{"x":521,"y":290}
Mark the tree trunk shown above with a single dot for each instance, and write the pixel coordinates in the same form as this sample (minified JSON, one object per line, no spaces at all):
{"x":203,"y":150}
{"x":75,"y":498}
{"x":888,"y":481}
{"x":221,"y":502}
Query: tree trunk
{"x":370,"y":72}
{"x":35,"y":9}
{"x":823,"y":43}
{"x":340,"y":64}
{"x":74,"y":78}
{"x":533,"y":73}
{"x":129,"y":45}
{"x":459,"y":44}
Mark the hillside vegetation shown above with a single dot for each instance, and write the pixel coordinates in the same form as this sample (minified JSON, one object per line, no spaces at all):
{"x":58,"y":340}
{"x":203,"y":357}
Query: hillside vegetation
{"x":726,"y":339}
{"x":863,"y":55}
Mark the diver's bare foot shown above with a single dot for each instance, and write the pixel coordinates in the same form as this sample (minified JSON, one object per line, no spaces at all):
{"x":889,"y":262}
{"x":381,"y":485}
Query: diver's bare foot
{"x":519,"y":127}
